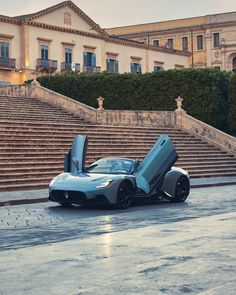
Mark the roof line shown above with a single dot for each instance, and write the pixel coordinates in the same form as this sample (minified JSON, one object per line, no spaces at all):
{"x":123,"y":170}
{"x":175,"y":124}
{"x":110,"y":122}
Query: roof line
{"x":171,"y":20}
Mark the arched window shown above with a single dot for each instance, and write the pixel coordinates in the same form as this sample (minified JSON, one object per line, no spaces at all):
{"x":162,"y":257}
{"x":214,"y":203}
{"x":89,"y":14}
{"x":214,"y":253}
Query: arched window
{"x":234,"y":64}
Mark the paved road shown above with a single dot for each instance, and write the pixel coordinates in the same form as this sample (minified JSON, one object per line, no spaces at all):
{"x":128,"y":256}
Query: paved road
{"x":154,"y":249}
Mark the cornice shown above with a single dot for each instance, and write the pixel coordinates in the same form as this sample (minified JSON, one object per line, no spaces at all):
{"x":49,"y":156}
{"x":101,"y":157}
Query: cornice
{"x":136,"y":57}
{"x":112,"y":53}
{"x":44,"y":40}
{"x":176,"y":30}
{"x":145,"y":46}
{"x":68,"y":43}
{"x":89,"y":47}
{"x":7,"y":19}
{"x":5,"y":36}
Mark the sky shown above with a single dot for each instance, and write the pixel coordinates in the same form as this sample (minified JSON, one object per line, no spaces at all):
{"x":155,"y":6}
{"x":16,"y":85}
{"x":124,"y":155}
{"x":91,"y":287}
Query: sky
{"x":114,"y":13}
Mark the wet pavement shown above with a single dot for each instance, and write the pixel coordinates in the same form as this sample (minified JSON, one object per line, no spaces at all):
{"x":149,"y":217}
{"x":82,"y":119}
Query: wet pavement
{"x":158,"y":248}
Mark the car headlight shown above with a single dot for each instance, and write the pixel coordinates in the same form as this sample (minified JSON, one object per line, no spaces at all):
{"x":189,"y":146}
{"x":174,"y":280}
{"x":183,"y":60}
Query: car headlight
{"x":105,"y":183}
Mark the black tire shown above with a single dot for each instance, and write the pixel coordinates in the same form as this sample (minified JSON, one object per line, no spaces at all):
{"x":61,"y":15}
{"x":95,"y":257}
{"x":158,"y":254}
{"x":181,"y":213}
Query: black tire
{"x":125,"y":195}
{"x":182,"y":189}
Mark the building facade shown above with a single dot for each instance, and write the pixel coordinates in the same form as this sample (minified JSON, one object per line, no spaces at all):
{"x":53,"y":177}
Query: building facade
{"x":62,"y":38}
{"x":210,"y":39}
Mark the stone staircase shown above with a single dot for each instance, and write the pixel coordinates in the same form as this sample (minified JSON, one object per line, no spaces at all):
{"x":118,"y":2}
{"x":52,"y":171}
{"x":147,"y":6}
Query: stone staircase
{"x":35,"y":136}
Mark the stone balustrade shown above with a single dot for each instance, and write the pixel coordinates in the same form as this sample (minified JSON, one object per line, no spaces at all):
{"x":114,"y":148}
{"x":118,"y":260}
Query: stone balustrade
{"x":16,"y":90}
{"x":209,"y":133}
{"x":136,"y":118}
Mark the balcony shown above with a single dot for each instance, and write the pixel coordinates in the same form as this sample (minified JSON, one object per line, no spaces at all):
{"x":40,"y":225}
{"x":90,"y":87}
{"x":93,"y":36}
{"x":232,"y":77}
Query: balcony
{"x":90,"y":69}
{"x":47,"y":65}
{"x":7,"y":63}
{"x":70,"y":67}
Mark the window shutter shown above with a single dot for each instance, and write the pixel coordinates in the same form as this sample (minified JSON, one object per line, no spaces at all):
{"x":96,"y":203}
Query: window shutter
{"x":94,"y":60}
{"x":132,"y":68}
{"x":108,"y":64}
{"x":117,"y":66}
{"x":140,"y":68}
{"x":7,"y":50}
{"x":85,"y":59}
{"x":4,"y":49}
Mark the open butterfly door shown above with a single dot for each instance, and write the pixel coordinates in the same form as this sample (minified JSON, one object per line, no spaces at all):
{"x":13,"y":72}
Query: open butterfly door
{"x":156,"y":164}
{"x":75,"y":160}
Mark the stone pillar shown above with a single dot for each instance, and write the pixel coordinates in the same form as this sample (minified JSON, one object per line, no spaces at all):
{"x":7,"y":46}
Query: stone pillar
{"x":208,"y":46}
{"x":179,"y":112}
{"x":33,"y":88}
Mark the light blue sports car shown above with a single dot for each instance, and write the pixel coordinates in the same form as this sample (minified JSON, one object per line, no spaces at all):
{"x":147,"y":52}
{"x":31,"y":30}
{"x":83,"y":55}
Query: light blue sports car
{"x":117,"y":181}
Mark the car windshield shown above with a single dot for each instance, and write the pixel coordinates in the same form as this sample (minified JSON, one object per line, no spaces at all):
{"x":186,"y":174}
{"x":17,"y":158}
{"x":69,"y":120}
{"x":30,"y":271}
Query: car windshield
{"x":111,"y":166}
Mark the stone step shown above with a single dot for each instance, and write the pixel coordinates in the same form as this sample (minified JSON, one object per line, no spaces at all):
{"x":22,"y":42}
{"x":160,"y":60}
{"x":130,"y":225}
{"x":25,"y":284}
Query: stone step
{"x":92,"y":132}
{"x":42,"y":117}
{"x":212,"y":174}
{"x":46,"y":180}
{"x":24,"y":166}
{"x":107,"y":151}
{"x":92,"y":155}
{"x":22,"y":186}
{"x":29,"y":174}
{"x":30,"y":110}
{"x":62,"y":125}
{"x":68,"y":136}
{"x":96,"y":142}
{"x":99,"y":138}
{"x":98,"y":146}
{"x":82,"y":127}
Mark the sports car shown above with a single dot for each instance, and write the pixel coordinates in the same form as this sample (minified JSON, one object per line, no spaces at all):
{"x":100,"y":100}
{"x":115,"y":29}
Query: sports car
{"x":118,"y":181}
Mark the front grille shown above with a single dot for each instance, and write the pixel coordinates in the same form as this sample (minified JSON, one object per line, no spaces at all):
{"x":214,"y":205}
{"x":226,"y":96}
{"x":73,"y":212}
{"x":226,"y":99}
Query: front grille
{"x":73,"y":197}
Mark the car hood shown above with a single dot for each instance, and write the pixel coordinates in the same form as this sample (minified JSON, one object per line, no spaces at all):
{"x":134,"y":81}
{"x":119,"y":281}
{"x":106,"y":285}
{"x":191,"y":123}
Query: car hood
{"x":82,"y":181}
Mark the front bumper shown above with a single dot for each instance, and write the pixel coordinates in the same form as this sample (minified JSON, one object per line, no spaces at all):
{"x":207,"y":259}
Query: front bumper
{"x":75,"y":197}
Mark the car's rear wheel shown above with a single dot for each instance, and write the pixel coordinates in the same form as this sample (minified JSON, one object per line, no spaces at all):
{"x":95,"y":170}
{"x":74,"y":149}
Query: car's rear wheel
{"x":125,"y":195}
{"x":182,"y":189}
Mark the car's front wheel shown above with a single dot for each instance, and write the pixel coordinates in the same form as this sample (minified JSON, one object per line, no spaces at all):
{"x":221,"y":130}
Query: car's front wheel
{"x":182,"y":189}
{"x":125,"y":195}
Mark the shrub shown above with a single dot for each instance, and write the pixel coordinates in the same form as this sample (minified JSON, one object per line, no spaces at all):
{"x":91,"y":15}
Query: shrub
{"x":232,"y":104}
